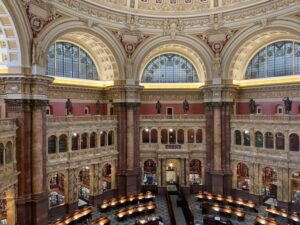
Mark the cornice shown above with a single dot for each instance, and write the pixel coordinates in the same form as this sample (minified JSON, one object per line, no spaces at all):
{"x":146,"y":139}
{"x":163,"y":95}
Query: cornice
{"x":190,"y":22}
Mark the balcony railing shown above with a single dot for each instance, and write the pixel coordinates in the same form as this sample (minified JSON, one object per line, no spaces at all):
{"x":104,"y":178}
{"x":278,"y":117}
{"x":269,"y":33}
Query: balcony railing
{"x":60,"y":119}
{"x":267,"y":117}
{"x":173,"y":117}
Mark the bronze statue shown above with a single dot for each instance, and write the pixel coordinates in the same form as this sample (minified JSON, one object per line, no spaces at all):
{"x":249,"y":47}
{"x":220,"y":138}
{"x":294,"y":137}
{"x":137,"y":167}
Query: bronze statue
{"x":287,"y":104}
{"x":158,"y":107}
{"x":252,"y":106}
{"x":69,"y":107}
{"x":98,"y":107}
{"x":186,"y":106}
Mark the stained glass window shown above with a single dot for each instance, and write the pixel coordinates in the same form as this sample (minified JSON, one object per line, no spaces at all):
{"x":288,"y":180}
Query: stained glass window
{"x":68,"y":60}
{"x":277,"y":59}
{"x":169,"y":68}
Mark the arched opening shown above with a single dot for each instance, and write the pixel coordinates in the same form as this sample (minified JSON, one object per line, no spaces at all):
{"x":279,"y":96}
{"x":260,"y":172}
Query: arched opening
{"x":172,"y":136}
{"x":279,"y":110}
{"x":242,"y":175}
{"x":269,"y":182}
{"x":195,"y":169}
{"x":56,"y":190}
{"x":84,"y":139}
{"x":238,"y":137}
{"x":259,"y":139}
{"x":164,"y":136}
{"x":149,"y":172}
{"x":63,"y":143}
{"x":154,"y":136}
{"x":8,"y":152}
{"x":199,"y":136}
{"x":258,"y":110}
{"x":52,"y":144}
{"x":145,"y":135}
{"x":173,"y":171}
{"x":191,"y":135}
{"x":103,"y":137}
{"x":246,"y":136}
{"x":1,"y":154}
{"x":110,"y":138}
{"x":295,"y":187}
{"x":269,"y":140}
{"x":180,"y":136}
{"x":294,"y":142}
{"x":106,"y":177}
{"x":84,"y":185}
{"x":279,"y":141}
{"x":93,"y":140}
{"x":75,"y":140}
{"x":49,"y":110}
{"x":3,"y":208}
{"x":86,"y":110}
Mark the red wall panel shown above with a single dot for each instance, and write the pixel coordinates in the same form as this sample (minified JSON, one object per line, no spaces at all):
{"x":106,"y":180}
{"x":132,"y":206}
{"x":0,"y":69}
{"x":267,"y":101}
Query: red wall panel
{"x":148,"y":109}
{"x":59,"y":108}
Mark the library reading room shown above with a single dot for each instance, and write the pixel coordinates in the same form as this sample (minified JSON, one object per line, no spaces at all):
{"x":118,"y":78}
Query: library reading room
{"x":149,"y":112}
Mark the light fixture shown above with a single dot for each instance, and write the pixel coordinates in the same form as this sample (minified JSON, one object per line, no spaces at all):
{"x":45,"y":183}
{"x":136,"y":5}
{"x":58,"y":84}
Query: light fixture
{"x":87,"y":168}
{"x":246,"y":131}
{"x":101,"y":132}
{"x":74,"y":134}
{"x":171,"y":130}
{"x":147,"y":130}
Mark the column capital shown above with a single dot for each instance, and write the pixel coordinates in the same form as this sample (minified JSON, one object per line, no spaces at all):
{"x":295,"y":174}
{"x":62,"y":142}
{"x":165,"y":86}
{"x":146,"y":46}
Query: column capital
{"x":126,"y":93}
{"x":219,"y":93}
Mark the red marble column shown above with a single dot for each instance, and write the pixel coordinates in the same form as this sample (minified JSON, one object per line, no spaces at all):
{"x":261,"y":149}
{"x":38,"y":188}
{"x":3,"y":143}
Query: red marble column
{"x":128,"y":172}
{"x":32,"y":199}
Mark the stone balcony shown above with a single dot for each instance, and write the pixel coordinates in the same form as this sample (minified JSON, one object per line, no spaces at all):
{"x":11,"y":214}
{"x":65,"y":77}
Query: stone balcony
{"x":175,"y":117}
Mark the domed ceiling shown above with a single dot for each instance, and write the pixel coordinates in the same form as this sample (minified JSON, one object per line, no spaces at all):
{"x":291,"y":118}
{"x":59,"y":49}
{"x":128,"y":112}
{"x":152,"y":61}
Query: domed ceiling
{"x":176,"y":8}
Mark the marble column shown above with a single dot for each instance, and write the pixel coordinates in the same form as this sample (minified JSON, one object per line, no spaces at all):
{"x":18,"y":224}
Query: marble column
{"x":217,"y":139}
{"x":11,"y":209}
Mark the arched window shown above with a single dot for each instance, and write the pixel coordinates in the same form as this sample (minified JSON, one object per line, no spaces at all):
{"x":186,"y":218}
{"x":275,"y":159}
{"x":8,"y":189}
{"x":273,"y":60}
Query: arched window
{"x":103,"y":136}
{"x":93,"y":140}
{"x":269,"y":182}
{"x":49,"y":110}
{"x":1,"y":154}
{"x":295,"y":183}
{"x":294,"y":142}
{"x":52,"y":144}
{"x":153,"y":136}
{"x":199,"y":136}
{"x":63,"y":143}
{"x":106,"y":177}
{"x":164,"y":136}
{"x":269,"y":140}
{"x":259,"y":139}
{"x":86,"y":110}
{"x":258,"y":110}
{"x":172,"y":136}
{"x":110,"y":138}
{"x":169,"y":68}
{"x":180,"y":136}
{"x":277,"y":59}
{"x":246,"y":135}
{"x":145,"y":135}
{"x":242,"y":173}
{"x":56,"y":190}
{"x":279,"y":141}
{"x":279,"y":109}
{"x":75,"y":142}
{"x":8,"y":152}
{"x":191,"y":136}
{"x":68,"y":60}
{"x":238,"y":137}
{"x":84,"y":138}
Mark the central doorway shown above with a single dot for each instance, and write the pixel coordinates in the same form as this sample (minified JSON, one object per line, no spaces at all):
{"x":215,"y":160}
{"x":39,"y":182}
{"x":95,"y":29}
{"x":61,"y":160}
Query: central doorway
{"x":172,"y":174}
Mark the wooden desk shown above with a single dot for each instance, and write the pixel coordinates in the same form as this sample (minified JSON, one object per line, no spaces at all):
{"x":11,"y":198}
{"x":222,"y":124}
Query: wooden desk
{"x":293,"y":217}
{"x":209,"y":220}
{"x":152,"y":220}
{"x":78,"y":215}
{"x":227,"y":211}
{"x":206,"y":196}
{"x":126,"y":200}
{"x":101,"y":221}
{"x":260,"y":220}
{"x":133,"y":210}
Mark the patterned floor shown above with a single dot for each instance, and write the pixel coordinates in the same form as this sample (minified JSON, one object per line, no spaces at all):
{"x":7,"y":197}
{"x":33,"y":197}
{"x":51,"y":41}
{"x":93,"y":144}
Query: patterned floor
{"x":161,"y":210}
{"x":249,"y":218}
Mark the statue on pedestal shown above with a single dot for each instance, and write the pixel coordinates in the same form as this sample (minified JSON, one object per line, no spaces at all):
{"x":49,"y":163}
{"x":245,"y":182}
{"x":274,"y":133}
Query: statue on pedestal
{"x":158,"y":107}
{"x":186,"y":106}
{"x":98,"y":107}
{"x":252,"y":106}
{"x":287,"y":104}
{"x":69,"y":107}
